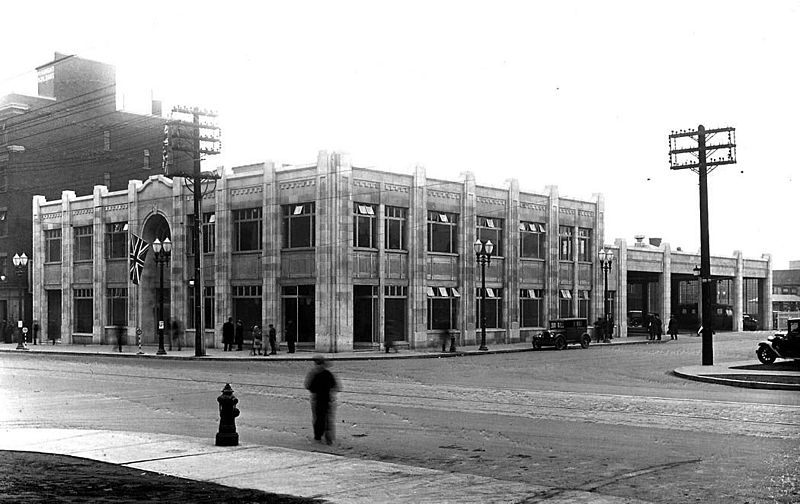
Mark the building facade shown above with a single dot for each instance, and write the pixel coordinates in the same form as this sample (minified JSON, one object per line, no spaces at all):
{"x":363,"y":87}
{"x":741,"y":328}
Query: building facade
{"x":785,"y":295}
{"x":342,"y":258}
{"x":69,"y":135}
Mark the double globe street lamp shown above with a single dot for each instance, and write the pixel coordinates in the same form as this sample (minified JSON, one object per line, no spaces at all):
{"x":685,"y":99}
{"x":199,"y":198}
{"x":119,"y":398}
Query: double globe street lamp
{"x":483,"y":254}
{"x":162,"y":252}
{"x":606,"y":258}
{"x":21,"y":267}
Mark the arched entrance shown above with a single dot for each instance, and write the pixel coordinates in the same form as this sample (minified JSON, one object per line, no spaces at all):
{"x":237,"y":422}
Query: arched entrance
{"x":156,"y":226}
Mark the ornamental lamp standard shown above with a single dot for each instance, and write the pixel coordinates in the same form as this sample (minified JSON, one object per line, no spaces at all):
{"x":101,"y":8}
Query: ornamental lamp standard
{"x":21,"y":266}
{"x":483,"y":254}
{"x":162,"y":252}
{"x":606,"y":258}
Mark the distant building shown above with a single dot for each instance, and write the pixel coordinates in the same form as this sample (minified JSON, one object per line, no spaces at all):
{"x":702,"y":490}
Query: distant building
{"x":342,"y":257}
{"x":69,"y":136}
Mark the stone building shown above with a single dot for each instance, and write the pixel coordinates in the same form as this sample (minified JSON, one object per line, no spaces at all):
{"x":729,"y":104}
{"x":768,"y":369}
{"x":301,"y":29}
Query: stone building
{"x":342,"y":258}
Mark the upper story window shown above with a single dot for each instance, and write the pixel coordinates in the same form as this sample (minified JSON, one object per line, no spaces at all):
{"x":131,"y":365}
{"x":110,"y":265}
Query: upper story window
{"x":146,"y":159}
{"x":442,"y":232}
{"x":52,"y":245}
{"x":83,"y":243}
{"x":116,"y":240}
{"x":364,"y":226}
{"x":298,"y":225}
{"x":247,"y":229}
{"x":207,"y":233}
{"x":531,"y":308}
{"x":565,"y":243}
{"x":4,"y":265}
{"x":3,"y":222}
{"x":585,"y":244}
{"x":491,"y":229}
{"x":532,"y":241}
{"x":395,"y":233}
{"x":106,"y":140}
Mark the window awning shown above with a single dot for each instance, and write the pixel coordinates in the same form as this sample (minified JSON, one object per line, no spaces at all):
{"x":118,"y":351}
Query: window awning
{"x":443,"y":292}
{"x":431,"y":293}
{"x":489,"y":223}
{"x":298,"y":209}
{"x":455,"y":292}
{"x":443,"y":217}
{"x":565,"y":293}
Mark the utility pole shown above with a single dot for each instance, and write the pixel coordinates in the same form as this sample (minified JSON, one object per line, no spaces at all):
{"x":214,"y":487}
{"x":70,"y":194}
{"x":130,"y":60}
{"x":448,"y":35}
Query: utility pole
{"x":690,"y":150}
{"x":197,"y":138}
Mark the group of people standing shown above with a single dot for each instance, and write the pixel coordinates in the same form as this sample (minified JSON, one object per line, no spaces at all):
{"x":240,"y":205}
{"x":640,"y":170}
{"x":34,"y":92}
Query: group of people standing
{"x":233,"y":334}
{"x":655,"y":328}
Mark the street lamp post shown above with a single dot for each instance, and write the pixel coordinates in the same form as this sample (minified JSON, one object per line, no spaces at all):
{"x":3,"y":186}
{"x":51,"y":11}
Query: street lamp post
{"x":606,"y":257}
{"x":21,"y":267}
{"x":483,"y":254}
{"x":162,"y":252}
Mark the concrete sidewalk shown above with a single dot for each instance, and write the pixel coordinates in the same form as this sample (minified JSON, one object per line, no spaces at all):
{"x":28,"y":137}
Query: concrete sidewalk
{"x":280,"y":470}
{"x":777,"y":376}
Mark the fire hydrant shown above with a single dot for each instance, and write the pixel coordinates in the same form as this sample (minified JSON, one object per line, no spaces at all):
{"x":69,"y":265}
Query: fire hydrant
{"x":228,"y":412}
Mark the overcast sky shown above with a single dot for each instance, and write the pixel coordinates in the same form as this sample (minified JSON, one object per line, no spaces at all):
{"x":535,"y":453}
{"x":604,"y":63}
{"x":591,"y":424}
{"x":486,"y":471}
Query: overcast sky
{"x":579,"y":94}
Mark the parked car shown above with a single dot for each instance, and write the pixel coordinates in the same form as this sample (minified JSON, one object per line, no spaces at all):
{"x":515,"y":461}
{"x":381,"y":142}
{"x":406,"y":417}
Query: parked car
{"x":784,"y":346}
{"x":562,"y":332}
{"x":749,"y":323}
{"x":635,"y":318}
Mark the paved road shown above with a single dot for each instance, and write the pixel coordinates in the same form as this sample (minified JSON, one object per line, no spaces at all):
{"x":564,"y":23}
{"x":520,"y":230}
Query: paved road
{"x":608,"y":419}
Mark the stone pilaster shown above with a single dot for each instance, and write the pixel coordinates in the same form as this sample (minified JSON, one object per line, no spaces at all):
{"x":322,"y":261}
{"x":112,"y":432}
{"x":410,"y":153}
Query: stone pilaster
{"x":39,"y":312}
{"x":417,"y":246}
{"x":598,"y":242}
{"x":67,"y":258}
{"x":765,"y":296}
{"x":381,"y":242}
{"x":666,"y":284}
{"x":178,"y":270}
{"x":738,"y":291}
{"x":98,"y":265}
{"x":222,"y":257}
{"x":134,"y":227}
{"x":468,"y":269}
{"x":621,"y":308}
{"x":551,"y":292}
{"x":271,"y":256}
{"x":512,"y":263}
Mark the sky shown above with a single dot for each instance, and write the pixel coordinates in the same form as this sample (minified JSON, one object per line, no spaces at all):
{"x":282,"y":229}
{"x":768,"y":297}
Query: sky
{"x":578,"y":94}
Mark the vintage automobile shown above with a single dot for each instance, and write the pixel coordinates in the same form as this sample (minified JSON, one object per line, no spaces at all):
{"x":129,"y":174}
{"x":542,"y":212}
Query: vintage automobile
{"x":785,"y":346}
{"x":562,"y":332}
{"x":749,"y":323}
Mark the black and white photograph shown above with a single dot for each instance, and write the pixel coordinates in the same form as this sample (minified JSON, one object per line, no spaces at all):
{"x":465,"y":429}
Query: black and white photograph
{"x":400,"y":252}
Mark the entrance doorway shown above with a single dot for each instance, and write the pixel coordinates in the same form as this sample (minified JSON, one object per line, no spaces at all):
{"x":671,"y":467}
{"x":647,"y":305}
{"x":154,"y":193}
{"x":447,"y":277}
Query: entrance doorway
{"x":298,"y":313}
{"x":53,"y":315}
{"x":365,"y":315}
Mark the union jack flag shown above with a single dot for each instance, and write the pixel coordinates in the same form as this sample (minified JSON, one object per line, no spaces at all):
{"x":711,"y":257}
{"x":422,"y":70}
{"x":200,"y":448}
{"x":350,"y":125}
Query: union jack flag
{"x":138,"y":253}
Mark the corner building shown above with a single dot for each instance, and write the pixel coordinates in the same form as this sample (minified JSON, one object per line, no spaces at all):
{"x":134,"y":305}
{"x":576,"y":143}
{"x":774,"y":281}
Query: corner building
{"x":339,"y":256}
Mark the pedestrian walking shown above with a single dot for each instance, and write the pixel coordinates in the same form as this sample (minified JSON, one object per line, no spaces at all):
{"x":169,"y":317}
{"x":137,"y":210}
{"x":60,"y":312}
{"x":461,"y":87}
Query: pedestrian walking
{"x":291,"y":335}
{"x":273,"y":341}
{"x":322,"y":385}
{"x":176,"y":328}
{"x":120,"y":333}
{"x":599,"y":330}
{"x":227,"y":335}
{"x":672,"y":328}
{"x":36,"y":329}
{"x":388,"y":343}
{"x":444,"y":337}
{"x":659,"y":327}
{"x":239,"y":335}
{"x":257,"y":341}
{"x":651,"y":328}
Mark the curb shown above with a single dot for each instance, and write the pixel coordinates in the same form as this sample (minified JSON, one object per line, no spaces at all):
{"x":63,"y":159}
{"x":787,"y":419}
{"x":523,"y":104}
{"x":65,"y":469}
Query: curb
{"x":736,"y":383}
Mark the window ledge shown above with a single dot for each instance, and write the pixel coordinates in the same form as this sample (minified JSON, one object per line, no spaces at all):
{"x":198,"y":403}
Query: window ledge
{"x":298,"y":249}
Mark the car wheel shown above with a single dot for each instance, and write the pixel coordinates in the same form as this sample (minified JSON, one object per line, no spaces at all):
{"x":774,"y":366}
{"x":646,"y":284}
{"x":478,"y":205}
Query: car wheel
{"x":765,"y":354}
{"x":537,"y":345}
{"x":585,"y":340}
{"x":561,"y":343}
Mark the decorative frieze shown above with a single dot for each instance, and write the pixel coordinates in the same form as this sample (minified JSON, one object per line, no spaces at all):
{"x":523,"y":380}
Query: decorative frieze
{"x":294,"y":184}
{"x":490,"y":201}
{"x":396,"y":188}
{"x":566,"y":211}
{"x":533,"y":206}
{"x":83,"y":211}
{"x":114,"y":208}
{"x":51,"y":215}
{"x":242,"y":191}
{"x":369,"y":184}
{"x":585,"y":213}
{"x":443,"y":195}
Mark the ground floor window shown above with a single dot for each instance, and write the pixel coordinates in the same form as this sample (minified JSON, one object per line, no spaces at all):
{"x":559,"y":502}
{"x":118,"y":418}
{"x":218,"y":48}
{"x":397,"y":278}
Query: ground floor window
{"x":494,"y":307}
{"x":298,"y":312}
{"x":564,"y":303}
{"x":443,"y":307}
{"x":584,"y":304}
{"x":117,"y":306}
{"x":365,"y":313}
{"x":247,"y":307}
{"x":208,"y":307}
{"x":751,"y":297}
{"x":395,"y":303}
{"x":83,"y":301}
{"x":531,"y":308}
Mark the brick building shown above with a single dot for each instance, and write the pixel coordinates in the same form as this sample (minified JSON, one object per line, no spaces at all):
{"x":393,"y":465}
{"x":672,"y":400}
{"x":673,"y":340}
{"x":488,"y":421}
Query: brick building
{"x":343,"y":257}
{"x":69,"y":135}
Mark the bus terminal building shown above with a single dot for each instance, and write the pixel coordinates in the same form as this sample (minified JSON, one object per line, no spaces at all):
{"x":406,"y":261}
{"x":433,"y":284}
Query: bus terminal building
{"x":342,"y":258}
